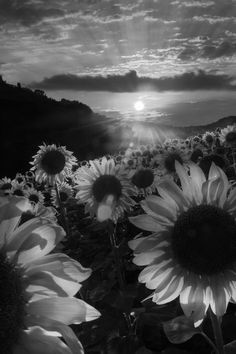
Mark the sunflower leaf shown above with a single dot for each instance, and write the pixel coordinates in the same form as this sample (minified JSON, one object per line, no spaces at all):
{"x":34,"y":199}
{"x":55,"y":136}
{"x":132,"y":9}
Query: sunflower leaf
{"x":180,"y":329}
{"x":230,"y":348}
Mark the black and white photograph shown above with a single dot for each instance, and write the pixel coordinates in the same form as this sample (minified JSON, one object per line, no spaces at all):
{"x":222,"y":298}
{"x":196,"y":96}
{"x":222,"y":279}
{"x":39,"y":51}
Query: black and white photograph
{"x":118,"y":177}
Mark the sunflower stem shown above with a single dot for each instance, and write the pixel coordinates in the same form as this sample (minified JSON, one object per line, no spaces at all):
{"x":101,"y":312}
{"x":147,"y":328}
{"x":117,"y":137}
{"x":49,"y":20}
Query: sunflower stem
{"x":115,"y":249}
{"x":121,"y":281}
{"x":215,"y":321}
{"x":210,"y":342}
{"x":62,"y":212}
{"x":234,"y":164}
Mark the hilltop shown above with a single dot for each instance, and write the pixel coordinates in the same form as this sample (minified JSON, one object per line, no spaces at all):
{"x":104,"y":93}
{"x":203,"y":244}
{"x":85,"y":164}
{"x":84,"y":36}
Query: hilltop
{"x":29,"y":118}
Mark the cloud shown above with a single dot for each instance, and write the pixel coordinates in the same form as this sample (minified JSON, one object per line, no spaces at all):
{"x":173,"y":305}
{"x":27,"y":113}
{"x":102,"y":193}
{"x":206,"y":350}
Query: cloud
{"x":210,"y":50}
{"x":26,"y":12}
{"x":225,"y":48}
{"x":131,"y":82}
{"x":193,"y":3}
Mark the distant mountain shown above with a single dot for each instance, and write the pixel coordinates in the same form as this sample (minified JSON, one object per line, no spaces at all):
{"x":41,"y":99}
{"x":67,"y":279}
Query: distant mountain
{"x":29,"y":118}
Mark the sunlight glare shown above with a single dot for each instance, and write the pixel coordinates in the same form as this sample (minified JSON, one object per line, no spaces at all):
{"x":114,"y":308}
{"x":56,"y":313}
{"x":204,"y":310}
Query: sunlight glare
{"x":139,"y":105}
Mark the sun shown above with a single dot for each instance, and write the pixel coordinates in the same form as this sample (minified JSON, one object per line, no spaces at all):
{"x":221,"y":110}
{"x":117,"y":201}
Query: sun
{"x":139,"y":105}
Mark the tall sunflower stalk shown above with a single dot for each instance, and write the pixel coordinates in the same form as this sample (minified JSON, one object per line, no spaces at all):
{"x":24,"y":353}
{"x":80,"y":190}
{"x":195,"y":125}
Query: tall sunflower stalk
{"x":62,"y":212}
{"x":119,"y":267}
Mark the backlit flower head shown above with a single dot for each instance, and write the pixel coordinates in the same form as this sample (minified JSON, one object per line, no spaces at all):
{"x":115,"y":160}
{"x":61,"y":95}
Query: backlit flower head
{"x":34,"y":196}
{"x":191,"y":252}
{"x":18,"y":188}
{"x":52,"y":163}
{"x":228,"y":135}
{"x":144,"y":179}
{"x":208,"y":138}
{"x":166,"y":160}
{"x":105,"y":185}
{"x":37,"y":289}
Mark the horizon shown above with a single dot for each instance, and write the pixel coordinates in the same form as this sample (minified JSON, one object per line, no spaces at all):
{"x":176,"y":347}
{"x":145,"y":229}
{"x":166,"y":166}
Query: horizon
{"x":183,"y":52}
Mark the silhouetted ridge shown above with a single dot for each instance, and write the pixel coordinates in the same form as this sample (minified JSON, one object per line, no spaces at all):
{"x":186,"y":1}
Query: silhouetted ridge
{"x":29,"y":118}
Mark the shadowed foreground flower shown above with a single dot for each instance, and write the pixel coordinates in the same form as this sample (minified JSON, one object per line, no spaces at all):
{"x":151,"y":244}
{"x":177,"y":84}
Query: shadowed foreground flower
{"x":144,"y":179}
{"x":65,"y":192}
{"x":166,"y":160}
{"x":37,"y":289}
{"x":5,"y":186}
{"x":107,"y":185}
{"x":52,"y":163}
{"x":191,"y":252}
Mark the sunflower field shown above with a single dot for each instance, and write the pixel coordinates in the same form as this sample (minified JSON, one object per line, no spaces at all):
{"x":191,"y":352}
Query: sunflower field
{"x":127,"y":253}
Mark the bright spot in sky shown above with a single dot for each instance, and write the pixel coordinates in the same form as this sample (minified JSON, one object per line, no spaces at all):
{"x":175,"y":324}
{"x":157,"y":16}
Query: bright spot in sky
{"x":139,"y":105}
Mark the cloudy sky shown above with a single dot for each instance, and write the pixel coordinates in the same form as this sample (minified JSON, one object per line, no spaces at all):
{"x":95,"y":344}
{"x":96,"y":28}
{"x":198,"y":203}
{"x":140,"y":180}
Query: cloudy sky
{"x":176,"y":57}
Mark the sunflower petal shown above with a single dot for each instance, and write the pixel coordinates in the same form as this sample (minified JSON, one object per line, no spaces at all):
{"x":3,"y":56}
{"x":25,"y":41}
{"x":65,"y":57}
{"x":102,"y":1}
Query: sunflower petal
{"x":33,"y":239}
{"x":52,"y":325}
{"x":146,"y":222}
{"x":11,"y":209}
{"x":220,"y":296}
{"x":170,"y":188}
{"x":145,"y":258}
{"x":161,"y":207}
{"x":144,"y":244}
{"x":198,"y":178}
{"x":193,"y":301}
{"x":37,"y":341}
{"x":65,"y":310}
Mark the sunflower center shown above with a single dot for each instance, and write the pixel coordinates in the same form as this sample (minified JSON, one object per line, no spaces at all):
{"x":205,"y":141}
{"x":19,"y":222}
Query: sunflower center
{"x":34,"y":198}
{"x":12,"y":304}
{"x":203,"y":240}
{"x":6,"y":186}
{"x":53,"y":162}
{"x":209,"y":139}
{"x":196,"y":155}
{"x":143,"y":178}
{"x":106,"y":185}
{"x":18,"y":192}
{"x":170,"y":161}
{"x":231,"y":137}
{"x":63,"y":196}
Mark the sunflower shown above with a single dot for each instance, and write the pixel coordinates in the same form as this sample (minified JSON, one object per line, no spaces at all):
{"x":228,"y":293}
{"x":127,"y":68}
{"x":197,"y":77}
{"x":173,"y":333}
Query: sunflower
{"x":105,"y":185}
{"x":166,"y":159}
{"x":228,"y":135}
{"x":209,"y":138}
{"x":144,"y":179}
{"x":5,"y":186}
{"x":37,"y":290}
{"x":19,"y":178}
{"x":52,"y":163}
{"x":18,"y":188}
{"x":65,"y":192}
{"x":34,"y":196}
{"x":191,"y":252}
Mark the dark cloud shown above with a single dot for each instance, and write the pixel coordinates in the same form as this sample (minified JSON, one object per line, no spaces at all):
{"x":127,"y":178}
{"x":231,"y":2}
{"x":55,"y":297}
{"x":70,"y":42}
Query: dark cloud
{"x":131,"y":82}
{"x":26,"y":13}
{"x":210,"y":51}
{"x":225,"y":48}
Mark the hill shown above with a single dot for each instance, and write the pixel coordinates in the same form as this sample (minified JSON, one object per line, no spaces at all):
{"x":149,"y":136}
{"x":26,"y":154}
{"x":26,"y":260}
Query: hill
{"x":29,"y":118}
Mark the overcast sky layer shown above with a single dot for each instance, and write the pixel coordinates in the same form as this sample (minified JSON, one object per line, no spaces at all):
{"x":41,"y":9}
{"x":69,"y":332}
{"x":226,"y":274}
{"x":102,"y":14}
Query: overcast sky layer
{"x":120,"y":46}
